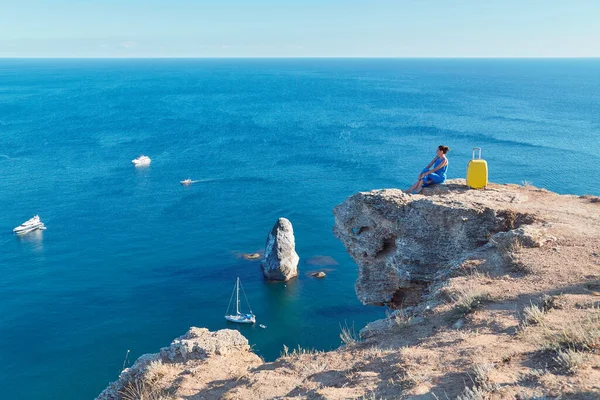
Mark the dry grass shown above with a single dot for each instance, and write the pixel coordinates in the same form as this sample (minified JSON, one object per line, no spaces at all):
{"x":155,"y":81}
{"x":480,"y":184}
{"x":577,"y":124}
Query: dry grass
{"x":533,"y":375}
{"x":297,"y":353}
{"x":482,"y":386}
{"x":374,"y":352}
{"x":533,"y":315}
{"x":473,"y":393}
{"x":570,"y":360}
{"x":349,"y":335}
{"x":142,"y":390}
{"x":311,"y":368}
{"x":467,"y":301}
{"x":156,"y":370}
{"x":410,"y":376}
{"x":579,"y":335}
{"x":480,"y":374}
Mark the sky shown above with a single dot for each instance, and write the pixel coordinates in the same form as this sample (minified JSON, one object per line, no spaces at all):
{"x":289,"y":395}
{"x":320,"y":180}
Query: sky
{"x":299,"y":28}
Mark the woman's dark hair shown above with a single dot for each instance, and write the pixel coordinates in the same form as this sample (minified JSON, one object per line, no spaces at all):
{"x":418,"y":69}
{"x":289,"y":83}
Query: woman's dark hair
{"x":444,"y":149}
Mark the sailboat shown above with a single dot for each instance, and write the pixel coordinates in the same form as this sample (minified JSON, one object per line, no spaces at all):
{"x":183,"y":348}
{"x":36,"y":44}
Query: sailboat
{"x":239,"y":317}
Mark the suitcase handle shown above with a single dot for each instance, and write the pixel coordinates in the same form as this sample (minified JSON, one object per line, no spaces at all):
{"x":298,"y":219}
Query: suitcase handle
{"x":478,"y":149}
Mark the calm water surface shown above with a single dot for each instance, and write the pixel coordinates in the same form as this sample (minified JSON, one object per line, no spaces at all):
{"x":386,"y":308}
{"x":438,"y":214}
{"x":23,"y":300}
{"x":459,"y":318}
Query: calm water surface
{"x":131,"y":259}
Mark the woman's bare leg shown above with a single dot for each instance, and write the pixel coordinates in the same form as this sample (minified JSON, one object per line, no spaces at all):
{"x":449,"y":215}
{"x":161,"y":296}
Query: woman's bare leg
{"x":419,"y":186}
{"x":410,"y":189}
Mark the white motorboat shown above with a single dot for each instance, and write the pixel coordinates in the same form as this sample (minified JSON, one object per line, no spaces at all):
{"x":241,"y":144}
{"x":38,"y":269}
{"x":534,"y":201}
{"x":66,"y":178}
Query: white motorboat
{"x":141,"y":161}
{"x":239,"y":317}
{"x":29,"y":226}
{"x":186,"y":182}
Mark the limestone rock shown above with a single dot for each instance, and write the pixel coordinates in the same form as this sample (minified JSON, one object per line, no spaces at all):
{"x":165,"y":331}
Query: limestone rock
{"x":526,"y":236}
{"x":199,"y":343}
{"x":400,"y":242}
{"x":281,"y":260}
{"x":196,"y":344}
{"x":319,"y":274}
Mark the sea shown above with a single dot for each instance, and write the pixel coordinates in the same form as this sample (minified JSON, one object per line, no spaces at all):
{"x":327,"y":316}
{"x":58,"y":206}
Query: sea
{"x":131,"y":259}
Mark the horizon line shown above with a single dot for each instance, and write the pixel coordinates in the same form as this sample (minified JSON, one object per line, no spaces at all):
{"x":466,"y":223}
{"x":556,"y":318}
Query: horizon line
{"x":301,"y":57}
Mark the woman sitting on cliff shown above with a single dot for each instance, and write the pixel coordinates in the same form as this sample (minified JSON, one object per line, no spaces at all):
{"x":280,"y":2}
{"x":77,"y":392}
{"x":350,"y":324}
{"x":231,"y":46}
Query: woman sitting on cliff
{"x":437,"y":174}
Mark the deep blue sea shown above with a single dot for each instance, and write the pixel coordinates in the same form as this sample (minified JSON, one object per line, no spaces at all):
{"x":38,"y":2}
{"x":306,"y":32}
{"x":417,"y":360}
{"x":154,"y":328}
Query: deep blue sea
{"x":131,"y":259}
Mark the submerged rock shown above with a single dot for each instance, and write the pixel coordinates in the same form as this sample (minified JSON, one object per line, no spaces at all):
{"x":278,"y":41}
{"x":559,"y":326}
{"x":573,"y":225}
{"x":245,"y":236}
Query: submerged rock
{"x":281,"y":259}
{"x":319,"y":274}
{"x":322,"y":261}
{"x":251,"y":256}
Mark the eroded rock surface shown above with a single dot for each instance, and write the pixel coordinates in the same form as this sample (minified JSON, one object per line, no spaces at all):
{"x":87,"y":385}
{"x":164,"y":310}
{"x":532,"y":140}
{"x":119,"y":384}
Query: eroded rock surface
{"x":198,"y":347}
{"x":401,"y":241}
{"x":281,"y":259}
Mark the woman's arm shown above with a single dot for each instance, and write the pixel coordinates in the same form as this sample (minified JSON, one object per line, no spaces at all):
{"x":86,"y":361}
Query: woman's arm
{"x":431,"y":163}
{"x":438,"y":167}
{"x":425,"y":172}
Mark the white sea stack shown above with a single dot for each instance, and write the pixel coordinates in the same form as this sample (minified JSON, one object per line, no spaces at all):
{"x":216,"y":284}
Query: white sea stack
{"x":281,"y":259}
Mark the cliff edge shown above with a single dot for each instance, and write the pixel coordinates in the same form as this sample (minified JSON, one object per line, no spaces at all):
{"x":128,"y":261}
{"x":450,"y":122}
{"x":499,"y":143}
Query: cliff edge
{"x":491,"y":294}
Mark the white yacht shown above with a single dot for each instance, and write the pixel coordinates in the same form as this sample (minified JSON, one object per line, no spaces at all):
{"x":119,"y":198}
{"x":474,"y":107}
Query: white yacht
{"x":239,"y":317}
{"x":141,"y":161}
{"x":29,"y":226}
{"x":186,"y":182}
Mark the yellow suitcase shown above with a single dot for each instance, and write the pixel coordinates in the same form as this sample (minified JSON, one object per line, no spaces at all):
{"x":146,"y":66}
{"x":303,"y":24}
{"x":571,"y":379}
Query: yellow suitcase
{"x":477,"y":171}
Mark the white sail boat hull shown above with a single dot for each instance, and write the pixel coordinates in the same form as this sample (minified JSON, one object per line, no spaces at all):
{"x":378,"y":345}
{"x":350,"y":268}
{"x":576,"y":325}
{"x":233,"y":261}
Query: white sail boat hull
{"x":241,"y":319}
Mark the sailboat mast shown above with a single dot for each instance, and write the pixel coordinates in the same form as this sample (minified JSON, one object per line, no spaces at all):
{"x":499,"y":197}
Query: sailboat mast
{"x":237,"y":296}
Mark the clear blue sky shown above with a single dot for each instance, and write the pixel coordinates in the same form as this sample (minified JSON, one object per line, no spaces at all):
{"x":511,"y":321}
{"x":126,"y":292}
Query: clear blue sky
{"x":299,"y":28}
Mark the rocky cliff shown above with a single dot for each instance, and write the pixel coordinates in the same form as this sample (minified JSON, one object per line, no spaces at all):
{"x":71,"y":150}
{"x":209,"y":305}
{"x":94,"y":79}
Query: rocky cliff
{"x":492,"y":294}
{"x":402,"y":243}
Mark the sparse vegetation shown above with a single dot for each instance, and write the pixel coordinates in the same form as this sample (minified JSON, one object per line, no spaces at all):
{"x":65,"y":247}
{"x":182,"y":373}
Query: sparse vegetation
{"x":312,"y":368}
{"x":349,"y":335}
{"x":375,"y":352}
{"x":473,"y":393}
{"x":410,"y":377}
{"x":533,"y":315}
{"x":155,"y":371}
{"x":533,"y":375}
{"x":297,"y":352}
{"x":482,"y":385}
{"x":142,"y":390}
{"x":480,"y":375}
{"x":581,"y":335}
{"x":569,"y":360}
{"x":467,"y":302}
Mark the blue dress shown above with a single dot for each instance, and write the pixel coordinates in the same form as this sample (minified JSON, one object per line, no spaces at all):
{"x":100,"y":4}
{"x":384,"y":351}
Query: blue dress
{"x":438,"y":176}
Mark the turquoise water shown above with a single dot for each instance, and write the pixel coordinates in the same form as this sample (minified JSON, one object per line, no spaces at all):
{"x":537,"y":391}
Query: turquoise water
{"x":131,"y":259}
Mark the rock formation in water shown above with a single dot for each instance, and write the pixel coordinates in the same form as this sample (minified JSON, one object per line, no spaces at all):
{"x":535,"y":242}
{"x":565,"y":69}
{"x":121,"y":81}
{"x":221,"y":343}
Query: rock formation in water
{"x":281,"y":261}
